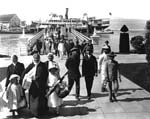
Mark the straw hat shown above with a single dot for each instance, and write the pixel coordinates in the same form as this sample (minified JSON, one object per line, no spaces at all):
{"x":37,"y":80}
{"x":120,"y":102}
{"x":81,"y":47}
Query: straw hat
{"x":50,"y":55}
{"x":73,"y":49}
{"x":14,"y":76}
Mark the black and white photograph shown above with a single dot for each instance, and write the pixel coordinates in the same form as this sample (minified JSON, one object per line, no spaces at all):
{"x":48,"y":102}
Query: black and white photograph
{"x":74,"y":59}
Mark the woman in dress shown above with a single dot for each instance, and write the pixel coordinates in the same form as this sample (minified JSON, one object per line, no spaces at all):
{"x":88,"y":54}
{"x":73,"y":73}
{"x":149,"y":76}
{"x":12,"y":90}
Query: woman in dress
{"x":53,"y":100}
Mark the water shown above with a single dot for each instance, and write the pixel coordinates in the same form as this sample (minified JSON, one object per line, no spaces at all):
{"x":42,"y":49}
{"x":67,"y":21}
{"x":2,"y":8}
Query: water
{"x":13,"y":44}
{"x":114,"y":39}
{"x":16,"y":44}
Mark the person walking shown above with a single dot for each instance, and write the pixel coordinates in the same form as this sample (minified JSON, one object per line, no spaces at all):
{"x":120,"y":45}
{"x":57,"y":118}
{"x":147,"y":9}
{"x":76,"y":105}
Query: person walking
{"x":53,"y":100}
{"x":50,"y":62}
{"x":88,"y":45}
{"x":112,"y":69}
{"x":15,"y":67}
{"x":89,"y":70}
{"x":37,"y":91}
{"x":107,"y":45}
{"x":72,"y":65}
{"x":61,"y":49}
{"x":102,"y":69}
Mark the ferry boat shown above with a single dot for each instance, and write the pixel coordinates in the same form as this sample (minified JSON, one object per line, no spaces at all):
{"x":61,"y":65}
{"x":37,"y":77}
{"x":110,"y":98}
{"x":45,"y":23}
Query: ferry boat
{"x":99,"y":32}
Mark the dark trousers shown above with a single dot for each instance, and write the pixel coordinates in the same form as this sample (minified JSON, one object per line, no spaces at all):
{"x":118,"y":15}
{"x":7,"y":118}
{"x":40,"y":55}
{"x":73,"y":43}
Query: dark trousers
{"x":70,"y":84}
{"x":89,"y":83}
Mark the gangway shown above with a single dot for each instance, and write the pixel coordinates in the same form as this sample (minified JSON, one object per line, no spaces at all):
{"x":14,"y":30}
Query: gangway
{"x":79,"y":35}
{"x":32,"y":41}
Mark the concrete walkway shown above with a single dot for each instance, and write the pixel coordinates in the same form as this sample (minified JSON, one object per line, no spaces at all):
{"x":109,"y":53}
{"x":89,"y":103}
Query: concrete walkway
{"x":133,"y":101}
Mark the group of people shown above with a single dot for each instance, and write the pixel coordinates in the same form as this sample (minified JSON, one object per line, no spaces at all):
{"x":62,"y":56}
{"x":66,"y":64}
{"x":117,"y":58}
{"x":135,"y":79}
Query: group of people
{"x":33,"y":81}
{"x":31,"y":84}
{"x":58,"y":43}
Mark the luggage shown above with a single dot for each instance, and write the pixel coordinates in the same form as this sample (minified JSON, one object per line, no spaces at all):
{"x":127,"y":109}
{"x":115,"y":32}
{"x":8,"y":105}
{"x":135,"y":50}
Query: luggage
{"x":62,"y":90}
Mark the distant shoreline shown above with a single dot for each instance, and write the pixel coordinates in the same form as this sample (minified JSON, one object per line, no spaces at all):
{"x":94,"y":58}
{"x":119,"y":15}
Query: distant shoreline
{"x":2,"y":56}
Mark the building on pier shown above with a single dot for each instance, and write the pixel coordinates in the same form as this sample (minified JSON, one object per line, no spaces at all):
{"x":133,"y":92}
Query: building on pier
{"x":9,"y":21}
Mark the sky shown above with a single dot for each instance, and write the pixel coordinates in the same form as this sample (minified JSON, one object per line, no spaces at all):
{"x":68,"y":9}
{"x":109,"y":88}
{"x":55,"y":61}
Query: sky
{"x":30,"y":10}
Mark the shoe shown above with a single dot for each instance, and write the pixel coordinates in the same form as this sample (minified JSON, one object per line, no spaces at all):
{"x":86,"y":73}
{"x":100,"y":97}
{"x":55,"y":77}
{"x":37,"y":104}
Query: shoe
{"x":116,"y":94}
{"x":110,"y":100}
{"x":104,"y":89}
{"x":77,"y":98}
{"x":114,"y":97}
{"x":89,"y":97}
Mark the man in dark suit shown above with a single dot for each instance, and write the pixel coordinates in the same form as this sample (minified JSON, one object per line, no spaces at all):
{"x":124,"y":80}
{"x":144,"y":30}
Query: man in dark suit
{"x":89,"y":70}
{"x":37,"y":91}
{"x":89,"y":45}
{"x":72,"y":64}
{"x":14,"y":68}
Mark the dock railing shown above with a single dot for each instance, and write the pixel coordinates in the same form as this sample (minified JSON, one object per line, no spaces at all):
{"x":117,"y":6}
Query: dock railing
{"x":31,"y":42}
{"x":79,"y":35}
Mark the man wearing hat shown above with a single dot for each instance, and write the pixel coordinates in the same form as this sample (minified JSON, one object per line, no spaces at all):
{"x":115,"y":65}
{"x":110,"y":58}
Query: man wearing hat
{"x":88,"y":45}
{"x":14,"y":68}
{"x":89,"y":70}
{"x":101,"y":67}
{"x":112,"y":72}
{"x":107,"y":45}
{"x":37,"y":91}
{"x":72,"y":65}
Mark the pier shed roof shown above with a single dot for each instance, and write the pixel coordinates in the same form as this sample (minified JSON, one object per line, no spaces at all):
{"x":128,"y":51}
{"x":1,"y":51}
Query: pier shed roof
{"x":6,"y":18}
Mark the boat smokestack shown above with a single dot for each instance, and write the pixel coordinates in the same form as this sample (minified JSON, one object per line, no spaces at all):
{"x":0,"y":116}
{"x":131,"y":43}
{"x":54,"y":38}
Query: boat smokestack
{"x":66,"y":15}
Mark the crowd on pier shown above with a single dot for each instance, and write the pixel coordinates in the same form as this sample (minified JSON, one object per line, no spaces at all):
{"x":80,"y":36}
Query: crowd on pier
{"x":39,"y":87}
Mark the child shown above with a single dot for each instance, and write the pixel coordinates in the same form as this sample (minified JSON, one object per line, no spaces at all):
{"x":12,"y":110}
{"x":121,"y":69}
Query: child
{"x":112,"y":71}
{"x":14,"y":93}
{"x":53,"y":100}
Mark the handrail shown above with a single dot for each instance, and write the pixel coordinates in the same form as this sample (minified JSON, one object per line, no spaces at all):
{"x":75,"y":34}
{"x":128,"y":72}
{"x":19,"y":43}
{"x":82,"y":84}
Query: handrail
{"x":31,"y":42}
{"x":79,"y":35}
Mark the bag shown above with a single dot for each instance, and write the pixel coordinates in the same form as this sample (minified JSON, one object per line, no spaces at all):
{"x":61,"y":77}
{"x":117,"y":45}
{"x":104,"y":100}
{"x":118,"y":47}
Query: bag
{"x":62,"y":90}
{"x":27,"y":83}
{"x":58,"y":87}
{"x":63,"y":93}
{"x":22,"y":103}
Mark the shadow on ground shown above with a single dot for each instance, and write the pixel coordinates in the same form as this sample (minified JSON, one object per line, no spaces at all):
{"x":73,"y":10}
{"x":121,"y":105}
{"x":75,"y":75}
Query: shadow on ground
{"x":134,"y":99}
{"x":64,"y":111}
{"x":75,"y":103}
{"x":137,"y":73}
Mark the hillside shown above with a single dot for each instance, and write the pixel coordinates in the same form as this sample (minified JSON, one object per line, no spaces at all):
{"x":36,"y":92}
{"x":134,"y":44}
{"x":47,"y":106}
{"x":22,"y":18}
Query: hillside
{"x":132,"y":24}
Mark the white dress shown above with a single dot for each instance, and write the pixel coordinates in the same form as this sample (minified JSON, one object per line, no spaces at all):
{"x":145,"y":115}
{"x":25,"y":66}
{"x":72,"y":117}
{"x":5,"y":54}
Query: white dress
{"x":102,"y":66}
{"x":14,"y":94}
{"x":53,"y":99}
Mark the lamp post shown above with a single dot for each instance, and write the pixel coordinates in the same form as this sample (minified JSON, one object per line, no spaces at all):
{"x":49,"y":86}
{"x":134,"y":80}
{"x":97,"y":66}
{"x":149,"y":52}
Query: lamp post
{"x":87,"y":19}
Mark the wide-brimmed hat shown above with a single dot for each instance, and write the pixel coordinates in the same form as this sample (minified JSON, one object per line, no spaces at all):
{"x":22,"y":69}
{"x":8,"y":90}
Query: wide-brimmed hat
{"x":50,"y":55}
{"x":112,"y":54}
{"x":53,"y":67}
{"x":74,"y":49}
{"x":14,"y":76}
